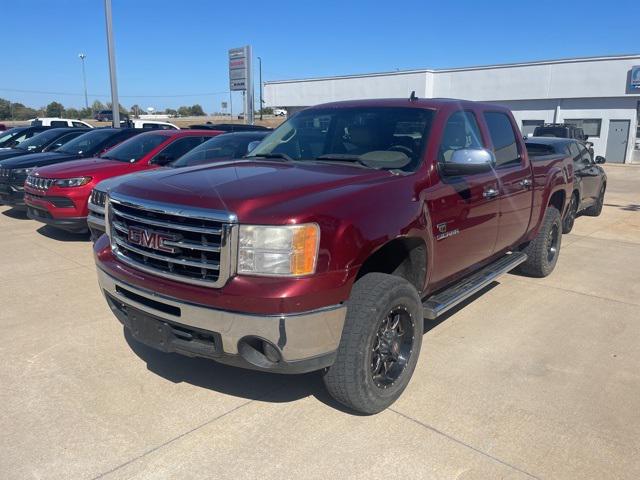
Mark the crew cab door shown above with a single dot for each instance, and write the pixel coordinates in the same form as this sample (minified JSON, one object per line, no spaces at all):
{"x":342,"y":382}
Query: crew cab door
{"x":463,"y":208}
{"x":515,"y":180}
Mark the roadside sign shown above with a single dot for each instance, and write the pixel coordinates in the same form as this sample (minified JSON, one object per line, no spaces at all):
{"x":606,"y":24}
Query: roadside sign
{"x":224,"y":105}
{"x":239,"y":61}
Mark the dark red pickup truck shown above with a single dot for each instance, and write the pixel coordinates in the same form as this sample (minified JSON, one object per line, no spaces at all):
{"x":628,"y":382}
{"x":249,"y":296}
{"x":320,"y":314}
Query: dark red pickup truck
{"x":326,"y":248}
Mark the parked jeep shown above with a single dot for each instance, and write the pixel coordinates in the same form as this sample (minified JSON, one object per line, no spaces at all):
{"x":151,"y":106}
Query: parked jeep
{"x":327,"y":247}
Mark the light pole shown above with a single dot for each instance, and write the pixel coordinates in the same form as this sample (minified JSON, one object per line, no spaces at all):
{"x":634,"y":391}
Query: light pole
{"x":115,"y":104}
{"x":260,"y":70}
{"x":82,"y":56}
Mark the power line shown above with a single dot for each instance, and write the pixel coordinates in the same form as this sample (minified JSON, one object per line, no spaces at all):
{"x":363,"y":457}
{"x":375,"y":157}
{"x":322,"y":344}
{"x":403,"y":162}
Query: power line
{"x":17,"y":90}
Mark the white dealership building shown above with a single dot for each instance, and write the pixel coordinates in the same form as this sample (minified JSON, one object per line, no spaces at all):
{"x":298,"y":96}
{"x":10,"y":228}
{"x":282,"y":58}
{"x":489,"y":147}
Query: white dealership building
{"x":600,"y":94}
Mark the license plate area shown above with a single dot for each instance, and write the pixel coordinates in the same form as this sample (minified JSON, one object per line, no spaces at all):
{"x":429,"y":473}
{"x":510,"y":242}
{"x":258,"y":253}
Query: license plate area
{"x":149,"y":330}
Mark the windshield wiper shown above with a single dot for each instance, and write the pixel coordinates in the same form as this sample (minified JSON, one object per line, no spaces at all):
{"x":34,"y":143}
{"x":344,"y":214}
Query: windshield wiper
{"x":344,"y":157}
{"x":282,"y":156}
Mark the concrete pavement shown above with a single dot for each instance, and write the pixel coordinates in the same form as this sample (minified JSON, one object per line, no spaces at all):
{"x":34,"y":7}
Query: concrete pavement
{"x":534,"y":378}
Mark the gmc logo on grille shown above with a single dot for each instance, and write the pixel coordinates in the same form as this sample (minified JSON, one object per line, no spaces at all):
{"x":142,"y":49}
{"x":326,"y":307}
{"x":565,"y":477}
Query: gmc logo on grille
{"x":150,"y":239}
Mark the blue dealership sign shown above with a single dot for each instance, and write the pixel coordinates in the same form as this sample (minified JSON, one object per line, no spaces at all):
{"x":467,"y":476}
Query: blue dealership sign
{"x":635,"y":77}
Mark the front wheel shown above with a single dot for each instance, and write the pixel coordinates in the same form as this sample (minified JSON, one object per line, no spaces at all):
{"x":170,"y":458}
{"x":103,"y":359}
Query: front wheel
{"x":380,"y":344}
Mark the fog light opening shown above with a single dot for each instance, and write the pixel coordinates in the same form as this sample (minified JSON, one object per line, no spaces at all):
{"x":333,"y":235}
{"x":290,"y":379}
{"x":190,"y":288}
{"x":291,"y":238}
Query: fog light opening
{"x":259,"y":352}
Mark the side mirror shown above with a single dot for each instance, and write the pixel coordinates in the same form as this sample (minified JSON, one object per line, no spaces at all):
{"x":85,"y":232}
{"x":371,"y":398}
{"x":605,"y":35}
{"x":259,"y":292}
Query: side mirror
{"x":253,"y":145}
{"x":468,"y":161}
{"x":600,"y":159}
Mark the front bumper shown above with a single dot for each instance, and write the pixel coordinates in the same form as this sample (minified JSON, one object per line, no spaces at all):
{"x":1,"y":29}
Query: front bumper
{"x":70,"y":224}
{"x":299,"y":343}
{"x":12,"y":195}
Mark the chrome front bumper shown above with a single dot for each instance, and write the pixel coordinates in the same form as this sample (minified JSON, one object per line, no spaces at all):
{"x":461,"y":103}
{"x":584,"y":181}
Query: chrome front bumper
{"x":308,"y":339}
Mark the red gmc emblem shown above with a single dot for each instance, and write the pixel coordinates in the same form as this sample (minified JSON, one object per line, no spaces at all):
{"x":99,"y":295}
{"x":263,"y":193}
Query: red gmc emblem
{"x":150,"y":239}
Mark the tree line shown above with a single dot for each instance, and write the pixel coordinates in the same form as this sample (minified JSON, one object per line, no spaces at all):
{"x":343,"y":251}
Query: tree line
{"x":18,"y":111}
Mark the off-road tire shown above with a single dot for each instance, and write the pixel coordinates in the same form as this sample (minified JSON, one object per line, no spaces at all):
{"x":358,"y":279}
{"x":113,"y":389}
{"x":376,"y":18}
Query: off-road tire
{"x":539,"y":262}
{"x":596,"y":209}
{"x":350,"y":379}
{"x":572,"y":212}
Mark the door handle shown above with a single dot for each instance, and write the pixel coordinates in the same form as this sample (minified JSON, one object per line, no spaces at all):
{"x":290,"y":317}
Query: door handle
{"x":490,"y":192}
{"x":526,"y":183}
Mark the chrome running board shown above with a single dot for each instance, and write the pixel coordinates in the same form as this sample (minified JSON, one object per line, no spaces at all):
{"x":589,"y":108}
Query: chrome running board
{"x":445,"y":300}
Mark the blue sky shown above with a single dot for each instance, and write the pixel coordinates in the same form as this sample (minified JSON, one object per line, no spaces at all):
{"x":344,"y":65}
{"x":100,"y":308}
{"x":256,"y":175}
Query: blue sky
{"x":167,"y":48}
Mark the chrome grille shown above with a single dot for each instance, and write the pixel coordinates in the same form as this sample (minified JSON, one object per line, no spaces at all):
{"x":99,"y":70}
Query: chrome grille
{"x":5,"y":172}
{"x":98,"y":198}
{"x":183,"y":244}
{"x":39,"y":182}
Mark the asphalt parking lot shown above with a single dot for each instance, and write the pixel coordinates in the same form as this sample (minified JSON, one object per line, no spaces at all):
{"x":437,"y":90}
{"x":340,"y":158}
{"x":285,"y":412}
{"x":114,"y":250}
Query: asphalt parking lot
{"x":534,"y":378}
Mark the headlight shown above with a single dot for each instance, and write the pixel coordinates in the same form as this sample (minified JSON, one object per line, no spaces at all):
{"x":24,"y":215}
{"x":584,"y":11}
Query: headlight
{"x":72,"y":182}
{"x":289,"y":251}
{"x":23,"y":171}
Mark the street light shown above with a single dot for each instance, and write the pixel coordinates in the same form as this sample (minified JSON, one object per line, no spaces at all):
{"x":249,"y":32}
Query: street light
{"x":260,"y":69}
{"x":82,"y":56}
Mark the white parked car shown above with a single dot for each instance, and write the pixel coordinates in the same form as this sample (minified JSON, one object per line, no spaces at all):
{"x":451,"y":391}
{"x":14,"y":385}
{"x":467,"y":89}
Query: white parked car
{"x":279,"y":112}
{"x":58,"y":122}
{"x":154,"y":124}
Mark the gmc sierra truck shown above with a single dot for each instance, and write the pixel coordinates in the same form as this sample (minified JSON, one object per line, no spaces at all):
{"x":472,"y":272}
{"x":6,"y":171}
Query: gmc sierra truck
{"x":327,"y":246}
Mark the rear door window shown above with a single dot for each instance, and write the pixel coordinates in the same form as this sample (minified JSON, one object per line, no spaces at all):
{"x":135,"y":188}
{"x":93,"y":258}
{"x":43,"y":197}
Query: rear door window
{"x":59,"y":123}
{"x":503,"y":138}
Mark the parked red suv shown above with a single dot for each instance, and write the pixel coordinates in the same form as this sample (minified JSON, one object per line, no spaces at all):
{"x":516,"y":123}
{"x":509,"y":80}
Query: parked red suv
{"x":327,"y":246}
{"x":57,"y":195}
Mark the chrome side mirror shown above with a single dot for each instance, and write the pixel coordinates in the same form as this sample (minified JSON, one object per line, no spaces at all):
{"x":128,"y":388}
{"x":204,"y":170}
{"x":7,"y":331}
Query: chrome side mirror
{"x":468,"y":161}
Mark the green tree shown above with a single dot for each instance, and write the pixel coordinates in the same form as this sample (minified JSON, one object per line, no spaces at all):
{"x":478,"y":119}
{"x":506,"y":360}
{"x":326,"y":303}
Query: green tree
{"x":72,"y":113}
{"x":85,"y":113}
{"x":171,"y":112}
{"x":96,"y":106}
{"x":196,"y":110}
{"x":20,"y":112}
{"x":54,"y":109}
{"x":184,"y":111}
{"x":5,"y":109}
{"x":135,"y":110}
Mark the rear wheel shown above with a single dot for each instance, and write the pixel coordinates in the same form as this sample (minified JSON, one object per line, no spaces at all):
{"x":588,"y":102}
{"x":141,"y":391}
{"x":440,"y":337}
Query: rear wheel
{"x":596,"y":209}
{"x":542,"y":252}
{"x":380,"y":344}
{"x":570,"y":216}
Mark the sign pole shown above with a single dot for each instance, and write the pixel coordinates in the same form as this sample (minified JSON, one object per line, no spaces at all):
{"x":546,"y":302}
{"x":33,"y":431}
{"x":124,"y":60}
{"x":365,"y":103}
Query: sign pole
{"x":115,"y":104}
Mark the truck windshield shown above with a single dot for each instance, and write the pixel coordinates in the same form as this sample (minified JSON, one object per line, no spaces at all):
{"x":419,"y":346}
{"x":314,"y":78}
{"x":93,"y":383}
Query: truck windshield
{"x":135,"y":148}
{"x":375,"y":137}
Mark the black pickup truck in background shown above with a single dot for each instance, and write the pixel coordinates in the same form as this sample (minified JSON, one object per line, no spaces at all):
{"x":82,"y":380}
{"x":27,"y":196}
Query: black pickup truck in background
{"x":564,"y":130}
{"x":589,"y":179}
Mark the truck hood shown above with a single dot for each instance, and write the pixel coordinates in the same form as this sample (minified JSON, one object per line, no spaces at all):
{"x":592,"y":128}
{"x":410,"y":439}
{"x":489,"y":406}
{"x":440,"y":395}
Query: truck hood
{"x":37,"y":160}
{"x":249,"y":189}
{"x":96,"y":167}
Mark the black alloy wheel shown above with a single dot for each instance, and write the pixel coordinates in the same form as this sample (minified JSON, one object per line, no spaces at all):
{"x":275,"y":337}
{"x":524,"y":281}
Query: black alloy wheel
{"x":392,"y":347}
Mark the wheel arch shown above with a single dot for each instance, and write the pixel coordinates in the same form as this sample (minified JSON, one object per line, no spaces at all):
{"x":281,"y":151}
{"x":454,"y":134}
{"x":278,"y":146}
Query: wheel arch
{"x":404,"y":256}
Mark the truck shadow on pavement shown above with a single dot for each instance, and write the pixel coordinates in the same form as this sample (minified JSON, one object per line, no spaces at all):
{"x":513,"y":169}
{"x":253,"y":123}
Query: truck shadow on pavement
{"x":254,"y":385}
